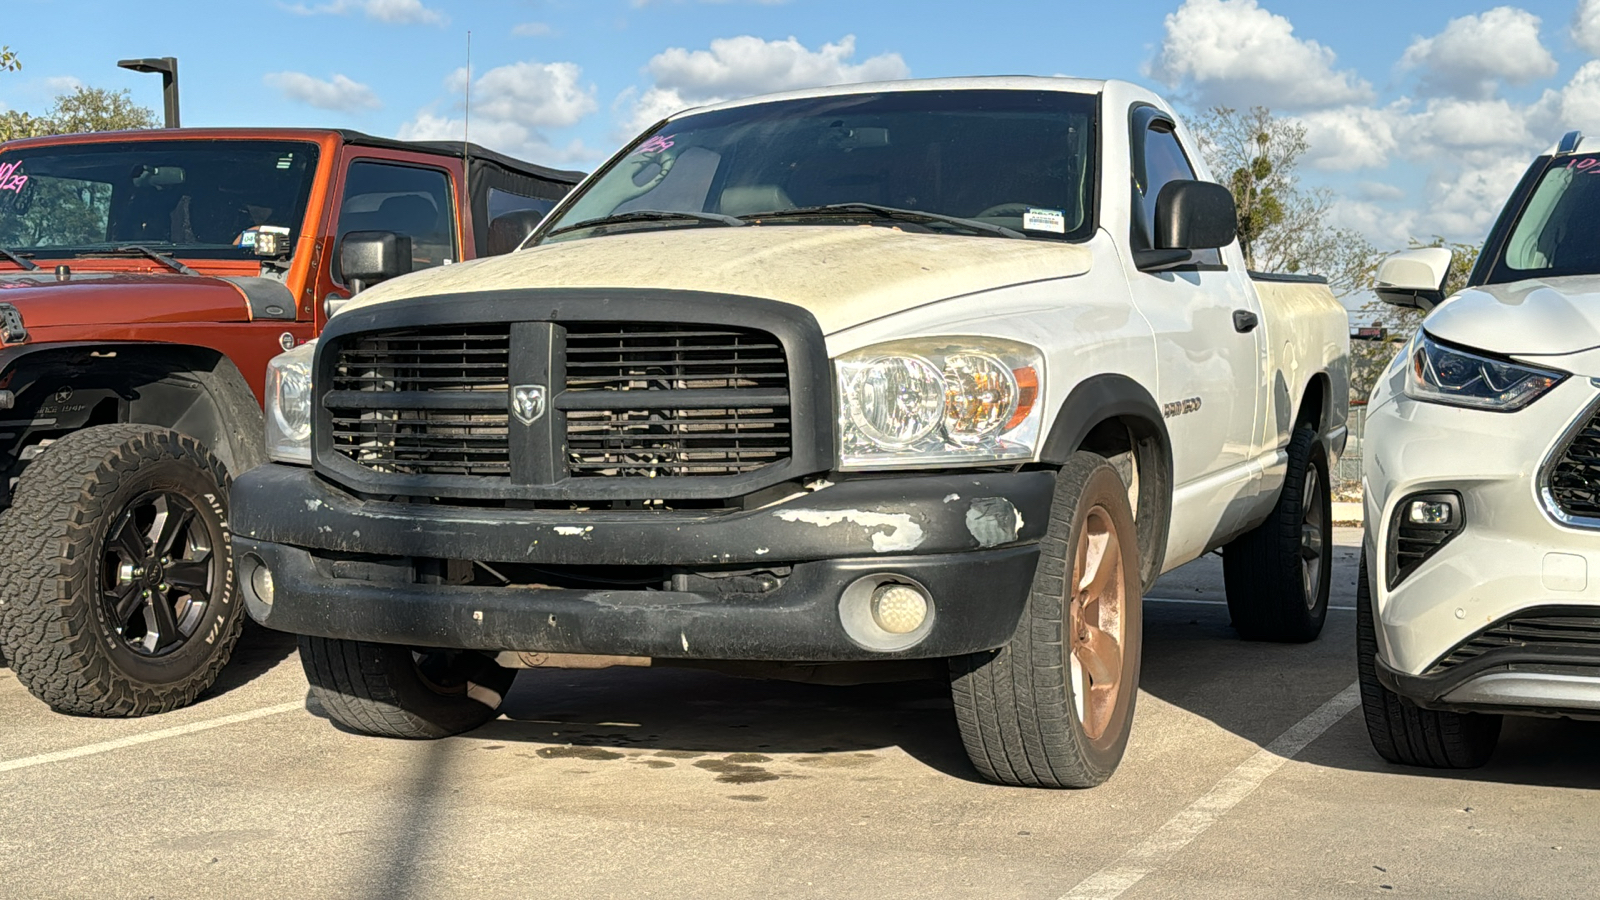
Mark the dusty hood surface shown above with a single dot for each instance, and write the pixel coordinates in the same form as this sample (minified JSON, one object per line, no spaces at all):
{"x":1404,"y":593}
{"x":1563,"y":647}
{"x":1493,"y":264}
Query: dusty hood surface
{"x":1537,"y":317}
{"x":106,"y":298}
{"x":845,"y":275}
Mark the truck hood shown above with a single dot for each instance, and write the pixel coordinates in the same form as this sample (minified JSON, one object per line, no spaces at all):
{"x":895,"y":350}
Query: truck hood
{"x":117,"y":298}
{"x":1537,"y":317}
{"x":845,"y":275}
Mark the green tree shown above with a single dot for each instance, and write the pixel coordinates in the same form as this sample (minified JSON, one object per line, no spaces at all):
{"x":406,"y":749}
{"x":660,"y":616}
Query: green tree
{"x":1369,"y":357}
{"x":86,"y":109}
{"x":8,"y":60}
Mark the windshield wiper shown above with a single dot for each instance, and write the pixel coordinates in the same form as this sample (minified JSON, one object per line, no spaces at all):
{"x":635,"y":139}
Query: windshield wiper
{"x":890,"y":212}
{"x":28,"y":264}
{"x":159,"y":257}
{"x":651,"y":215}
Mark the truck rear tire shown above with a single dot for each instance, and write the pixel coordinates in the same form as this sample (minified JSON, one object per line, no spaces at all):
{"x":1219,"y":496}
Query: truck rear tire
{"x":1403,"y":732}
{"x":1277,"y":575}
{"x":116,"y":573}
{"x":385,"y":690}
{"x":1054,"y":707}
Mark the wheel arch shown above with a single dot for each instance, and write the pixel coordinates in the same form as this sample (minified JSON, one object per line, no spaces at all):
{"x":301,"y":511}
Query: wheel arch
{"x":1115,"y":417}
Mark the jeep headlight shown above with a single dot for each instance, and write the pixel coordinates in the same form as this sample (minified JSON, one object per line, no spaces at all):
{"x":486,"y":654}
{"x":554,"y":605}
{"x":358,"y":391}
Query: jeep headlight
{"x":938,"y":402}
{"x":1439,"y":373}
{"x":289,"y":405}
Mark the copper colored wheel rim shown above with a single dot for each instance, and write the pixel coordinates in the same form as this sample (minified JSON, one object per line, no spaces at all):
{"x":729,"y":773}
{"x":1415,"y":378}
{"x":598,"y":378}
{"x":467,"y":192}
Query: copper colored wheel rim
{"x":1096,"y":629}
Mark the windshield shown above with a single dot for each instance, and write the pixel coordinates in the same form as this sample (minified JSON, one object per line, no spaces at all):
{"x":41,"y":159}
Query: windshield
{"x":1557,"y":232}
{"x":1016,"y":159}
{"x":206,"y":199}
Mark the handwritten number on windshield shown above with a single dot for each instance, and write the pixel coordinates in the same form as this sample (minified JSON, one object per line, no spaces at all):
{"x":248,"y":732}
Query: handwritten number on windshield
{"x":656,"y":144}
{"x":9,"y":179}
{"x":1589,"y":164}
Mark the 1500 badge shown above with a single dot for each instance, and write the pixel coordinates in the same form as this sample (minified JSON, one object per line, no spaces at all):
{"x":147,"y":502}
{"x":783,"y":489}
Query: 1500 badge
{"x":1180,"y":408}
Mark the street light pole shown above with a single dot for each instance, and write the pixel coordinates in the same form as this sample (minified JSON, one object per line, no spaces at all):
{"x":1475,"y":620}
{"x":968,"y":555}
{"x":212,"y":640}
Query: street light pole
{"x":168,"y":67}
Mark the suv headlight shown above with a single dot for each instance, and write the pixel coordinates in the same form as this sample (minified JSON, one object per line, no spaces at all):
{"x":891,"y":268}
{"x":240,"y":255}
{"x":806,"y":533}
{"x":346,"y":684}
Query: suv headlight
{"x":1439,"y":373}
{"x":949,"y":401}
{"x":289,"y":405}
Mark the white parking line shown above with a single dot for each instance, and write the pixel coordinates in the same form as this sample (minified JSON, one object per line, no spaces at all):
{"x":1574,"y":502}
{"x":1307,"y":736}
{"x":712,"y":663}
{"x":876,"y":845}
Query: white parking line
{"x":1199,"y":602}
{"x":1183,"y":828}
{"x":26,"y":762}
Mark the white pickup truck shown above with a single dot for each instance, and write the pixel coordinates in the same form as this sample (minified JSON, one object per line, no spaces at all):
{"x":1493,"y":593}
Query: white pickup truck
{"x":923,"y":372}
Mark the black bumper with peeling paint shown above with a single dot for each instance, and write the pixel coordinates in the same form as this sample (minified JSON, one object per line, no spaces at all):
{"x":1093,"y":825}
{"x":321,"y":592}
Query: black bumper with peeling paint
{"x":971,"y":540}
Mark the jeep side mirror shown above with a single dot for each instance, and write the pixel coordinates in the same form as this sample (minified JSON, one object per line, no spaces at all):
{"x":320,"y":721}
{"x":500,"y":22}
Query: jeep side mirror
{"x":368,"y":257}
{"x":1194,"y":215}
{"x":1415,"y":278}
{"x":508,"y":231}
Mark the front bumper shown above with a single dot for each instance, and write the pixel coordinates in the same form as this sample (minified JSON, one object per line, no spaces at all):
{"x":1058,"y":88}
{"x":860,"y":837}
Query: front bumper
{"x":1442,"y":630}
{"x":761,"y":584}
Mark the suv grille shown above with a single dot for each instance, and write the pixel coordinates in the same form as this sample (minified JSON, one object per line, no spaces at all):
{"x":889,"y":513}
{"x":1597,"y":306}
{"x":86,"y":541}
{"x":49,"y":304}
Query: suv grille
{"x":424,"y":401}
{"x":1554,"y":632}
{"x":639,"y":400}
{"x":656,"y":424}
{"x":1575,"y":478}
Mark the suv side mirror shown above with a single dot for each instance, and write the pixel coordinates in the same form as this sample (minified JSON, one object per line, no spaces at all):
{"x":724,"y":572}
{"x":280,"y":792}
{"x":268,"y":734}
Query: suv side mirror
{"x":368,"y":257}
{"x":508,"y":231}
{"x":1415,"y":278}
{"x":1194,"y":215}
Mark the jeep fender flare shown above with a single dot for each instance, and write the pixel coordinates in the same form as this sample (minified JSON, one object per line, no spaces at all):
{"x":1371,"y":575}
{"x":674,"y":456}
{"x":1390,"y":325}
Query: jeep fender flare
{"x":1117,"y":409}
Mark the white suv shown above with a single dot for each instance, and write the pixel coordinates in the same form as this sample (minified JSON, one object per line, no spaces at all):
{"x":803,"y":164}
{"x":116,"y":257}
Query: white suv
{"x":1482,"y":481}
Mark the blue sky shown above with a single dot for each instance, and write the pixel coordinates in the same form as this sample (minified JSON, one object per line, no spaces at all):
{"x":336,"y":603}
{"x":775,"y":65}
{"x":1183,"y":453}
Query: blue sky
{"x":1421,"y":114}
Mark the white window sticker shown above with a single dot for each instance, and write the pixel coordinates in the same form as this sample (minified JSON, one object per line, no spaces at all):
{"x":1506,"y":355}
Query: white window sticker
{"x":1045,"y":220}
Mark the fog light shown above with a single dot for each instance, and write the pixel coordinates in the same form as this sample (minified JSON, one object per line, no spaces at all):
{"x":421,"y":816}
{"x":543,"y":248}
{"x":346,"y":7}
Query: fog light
{"x":261,"y":582}
{"x":899,"y":608}
{"x":1430,"y":512}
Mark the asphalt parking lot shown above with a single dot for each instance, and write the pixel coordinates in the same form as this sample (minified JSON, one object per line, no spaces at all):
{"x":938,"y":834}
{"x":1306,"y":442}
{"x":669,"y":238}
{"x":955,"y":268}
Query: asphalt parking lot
{"x":677,"y":783}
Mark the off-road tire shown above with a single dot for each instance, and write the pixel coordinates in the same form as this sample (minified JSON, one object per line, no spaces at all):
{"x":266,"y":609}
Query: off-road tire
{"x":1263,"y":570}
{"x":1403,"y":732}
{"x":379,"y":689}
{"x":1016,"y":706}
{"x":53,"y":627}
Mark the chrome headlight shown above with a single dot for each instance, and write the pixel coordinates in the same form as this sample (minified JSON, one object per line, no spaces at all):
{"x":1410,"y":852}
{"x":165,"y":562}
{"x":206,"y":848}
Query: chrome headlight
{"x":938,"y":402}
{"x":289,"y":405}
{"x":1438,"y":373}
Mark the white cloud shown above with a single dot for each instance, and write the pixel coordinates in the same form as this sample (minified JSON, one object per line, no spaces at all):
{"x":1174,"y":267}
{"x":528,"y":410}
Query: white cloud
{"x":1352,"y":137}
{"x":1377,"y":190}
{"x":1456,"y":126}
{"x":63,"y":84}
{"x":532,"y":29}
{"x":338,"y":93}
{"x":1236,"y":53}
{"x":1586,"y":26}
{"x":513,"y":106}
{"x":1464,"y":202}
{"x":1474,"y":53}
{"x":1575,"y":106}
{"x":393,"y":12}
{"x":1383,"y":227}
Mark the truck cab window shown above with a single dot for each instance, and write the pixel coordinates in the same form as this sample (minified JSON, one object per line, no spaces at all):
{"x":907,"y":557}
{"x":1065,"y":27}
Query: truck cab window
{"x":407,"y":200}
{"x":1162,"y":161}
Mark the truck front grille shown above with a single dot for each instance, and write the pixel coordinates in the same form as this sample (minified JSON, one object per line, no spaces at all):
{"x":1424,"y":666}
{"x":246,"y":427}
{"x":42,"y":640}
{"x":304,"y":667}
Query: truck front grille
{"x":424,"y":401}
{"x":1574,"y":480}
{"x":1552,"y":632}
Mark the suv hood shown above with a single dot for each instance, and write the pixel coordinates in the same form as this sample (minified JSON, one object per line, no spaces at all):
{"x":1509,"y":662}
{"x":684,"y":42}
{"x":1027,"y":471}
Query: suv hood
{"x":1550,"y":316}
{"x":845,"y":275}
{"x":121,"y":298}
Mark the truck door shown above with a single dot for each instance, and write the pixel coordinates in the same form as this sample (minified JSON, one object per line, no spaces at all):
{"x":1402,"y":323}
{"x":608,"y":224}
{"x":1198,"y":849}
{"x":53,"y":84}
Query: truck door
{"x":404,"y":197}
{"x":1207,"y":368}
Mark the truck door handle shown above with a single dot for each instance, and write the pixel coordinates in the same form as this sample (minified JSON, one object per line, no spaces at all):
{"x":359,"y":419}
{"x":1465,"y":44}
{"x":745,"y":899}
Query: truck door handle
{"x":1244,"y":321}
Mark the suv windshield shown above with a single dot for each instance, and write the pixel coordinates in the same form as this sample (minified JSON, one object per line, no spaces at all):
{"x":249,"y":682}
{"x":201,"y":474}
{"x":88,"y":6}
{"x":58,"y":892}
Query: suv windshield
{"x":1557,"y":232}
{"x":1016,"y":159}
{"x":206,"y":199}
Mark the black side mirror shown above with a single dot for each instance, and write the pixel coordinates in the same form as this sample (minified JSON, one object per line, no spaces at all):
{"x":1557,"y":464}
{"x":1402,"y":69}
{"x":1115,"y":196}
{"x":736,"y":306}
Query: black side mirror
{"x":508,"y":231}
{"x":368,"y":257}
{"x":1194,"y":215}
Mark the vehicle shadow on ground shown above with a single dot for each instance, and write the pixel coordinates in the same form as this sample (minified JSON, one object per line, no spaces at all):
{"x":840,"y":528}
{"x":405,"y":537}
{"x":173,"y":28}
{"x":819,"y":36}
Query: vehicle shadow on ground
{"x":258,"y":652}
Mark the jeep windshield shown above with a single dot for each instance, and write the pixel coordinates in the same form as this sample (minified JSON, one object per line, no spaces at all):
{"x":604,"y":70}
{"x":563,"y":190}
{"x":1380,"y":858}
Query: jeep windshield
{"x":191,"y":198}
{"x":1557,"y":232}
{"x":993,"y":162}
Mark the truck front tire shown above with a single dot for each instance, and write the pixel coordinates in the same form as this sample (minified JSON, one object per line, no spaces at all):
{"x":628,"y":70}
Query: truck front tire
{"x":1277,"y":575}
{"x":1403,"y":732}
{"x":116,"y":574}
{"x":1054,"y":707}
{"x":385,"y":690}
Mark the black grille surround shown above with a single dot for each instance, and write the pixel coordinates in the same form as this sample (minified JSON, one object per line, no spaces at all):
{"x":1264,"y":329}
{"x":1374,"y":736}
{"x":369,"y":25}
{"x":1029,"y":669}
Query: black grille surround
{"x":1562,"y":634}
{"x":650,"y":395}
{"x":1571,"y":479}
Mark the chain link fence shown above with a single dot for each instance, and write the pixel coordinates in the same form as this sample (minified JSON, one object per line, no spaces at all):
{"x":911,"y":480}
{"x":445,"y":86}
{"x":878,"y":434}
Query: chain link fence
{"x":1347,"y":475}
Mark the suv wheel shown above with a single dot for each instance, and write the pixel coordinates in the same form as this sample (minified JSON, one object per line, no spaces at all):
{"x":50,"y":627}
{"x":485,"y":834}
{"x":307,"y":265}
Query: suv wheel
{"x":116,"y":575}
{"x":1277,"y":574}
{"x":385,"y":690}
{"x":1403,"y":732}
{"x":1054,"y":707}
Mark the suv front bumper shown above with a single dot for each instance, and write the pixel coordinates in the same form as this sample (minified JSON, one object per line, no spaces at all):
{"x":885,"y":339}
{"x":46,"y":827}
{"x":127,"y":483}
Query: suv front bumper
{"x":344,"y":567}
